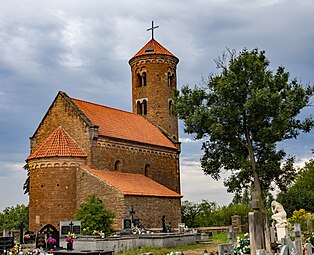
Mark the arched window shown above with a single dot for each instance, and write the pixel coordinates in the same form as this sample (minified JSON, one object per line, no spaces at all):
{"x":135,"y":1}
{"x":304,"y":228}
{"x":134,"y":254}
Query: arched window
{"x":144,"y":79}
{"x":138,"y":80}
{"x":170,"y":107}
{"x":148,"y":171}
{"x":139,"y":107}
{"x":118,"y":165}
{"x":170,"y":79}
{"x":144,"y":107}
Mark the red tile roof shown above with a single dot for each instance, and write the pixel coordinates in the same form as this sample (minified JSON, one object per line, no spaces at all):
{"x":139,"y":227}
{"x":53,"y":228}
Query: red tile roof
{"x":58,"y":144}
{"x":133,"y":184}
{"x":153,"y":47}
{"x":123,"y":125}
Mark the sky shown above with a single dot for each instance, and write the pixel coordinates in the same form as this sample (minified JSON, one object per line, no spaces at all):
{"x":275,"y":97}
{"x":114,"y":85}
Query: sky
{"x":82,"y":47}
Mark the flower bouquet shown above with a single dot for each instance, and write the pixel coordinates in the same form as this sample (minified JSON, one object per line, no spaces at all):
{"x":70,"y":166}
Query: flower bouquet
{"x":70,"y":239}
{"x":50,"y":243}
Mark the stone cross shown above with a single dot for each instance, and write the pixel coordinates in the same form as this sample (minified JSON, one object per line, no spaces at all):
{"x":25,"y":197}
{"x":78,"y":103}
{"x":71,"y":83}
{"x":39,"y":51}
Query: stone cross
{"x":132,"y":212}
{"x":71,"y":227}
{"x":152,"y":28}
{"x":297,"y":238}
{"x":231,"y":235}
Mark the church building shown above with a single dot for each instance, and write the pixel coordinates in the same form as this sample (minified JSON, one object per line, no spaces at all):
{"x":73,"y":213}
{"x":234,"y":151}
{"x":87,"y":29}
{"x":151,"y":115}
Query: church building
{"x":128,"y":159}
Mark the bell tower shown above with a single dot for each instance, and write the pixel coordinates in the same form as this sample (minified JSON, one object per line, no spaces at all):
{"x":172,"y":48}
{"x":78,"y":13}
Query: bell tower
{"x":153,"y":83}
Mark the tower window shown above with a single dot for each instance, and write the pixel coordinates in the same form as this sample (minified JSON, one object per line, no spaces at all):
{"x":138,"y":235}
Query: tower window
{"x":139,"y":107}
{"x":144,"y":79}
{"x":171,"y":107}
{"x":170,"y":79}
{"x":138,"y":80}
{"x":141,"y":79}
{"x":144,"y":107}
{"x":118,"y":165}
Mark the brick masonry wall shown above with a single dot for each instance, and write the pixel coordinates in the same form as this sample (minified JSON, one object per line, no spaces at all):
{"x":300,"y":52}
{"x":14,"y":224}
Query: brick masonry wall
{"x":151,"y":209}
{"x":164,"y":163}
{"x":53,"y":195}
{"x":62,"y":114}
{"x":157,"y":90}
{"x":113,"y":200}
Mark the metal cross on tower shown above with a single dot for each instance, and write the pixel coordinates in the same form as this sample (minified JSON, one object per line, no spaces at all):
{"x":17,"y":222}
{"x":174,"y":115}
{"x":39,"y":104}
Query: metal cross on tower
{"x":152,"y":28}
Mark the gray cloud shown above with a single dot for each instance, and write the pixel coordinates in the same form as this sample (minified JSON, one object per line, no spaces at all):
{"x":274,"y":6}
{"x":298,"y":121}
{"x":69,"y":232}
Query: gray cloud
{"x":83,"y":48}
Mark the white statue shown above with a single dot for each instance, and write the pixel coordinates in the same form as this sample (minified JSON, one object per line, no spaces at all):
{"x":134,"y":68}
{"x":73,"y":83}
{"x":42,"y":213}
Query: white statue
{"x":279,"y":214}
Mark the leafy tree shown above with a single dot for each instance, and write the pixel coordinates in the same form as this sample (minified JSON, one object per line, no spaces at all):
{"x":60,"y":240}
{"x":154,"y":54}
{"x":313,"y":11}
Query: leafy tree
{"x":13,"y":217}
{"x":301,"y":194}
{"x":244,"y":111}
{"x":94,"y":216}
{"x":206,"y":214}
{"x":189,"y":212}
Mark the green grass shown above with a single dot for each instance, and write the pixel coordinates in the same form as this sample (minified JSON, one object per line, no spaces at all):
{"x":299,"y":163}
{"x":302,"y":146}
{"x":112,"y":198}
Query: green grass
{"x":217,"y":238}
{"x":157,"y":251}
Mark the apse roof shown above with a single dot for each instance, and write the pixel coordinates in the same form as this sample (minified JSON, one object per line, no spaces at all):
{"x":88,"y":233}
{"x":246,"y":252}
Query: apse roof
{"x":58,"y":144}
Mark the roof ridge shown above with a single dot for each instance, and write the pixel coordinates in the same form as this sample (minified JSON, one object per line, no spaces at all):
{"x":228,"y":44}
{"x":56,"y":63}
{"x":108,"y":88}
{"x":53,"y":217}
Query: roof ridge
{"x":108,"y":107}
{"x":103,"y":106}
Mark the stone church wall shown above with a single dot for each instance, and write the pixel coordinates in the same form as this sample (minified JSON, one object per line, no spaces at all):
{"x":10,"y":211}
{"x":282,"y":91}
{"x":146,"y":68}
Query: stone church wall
{"x":52,"y":195}
{"x":160,"y":164}
{"x":62,"y":114}
{"x":88,"y":184}
{"x":158,"y":91}
{"x":151,"y":209}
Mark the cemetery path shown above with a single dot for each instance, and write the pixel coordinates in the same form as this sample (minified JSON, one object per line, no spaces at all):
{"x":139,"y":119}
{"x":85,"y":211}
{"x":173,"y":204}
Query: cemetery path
{"x":212,"y":247}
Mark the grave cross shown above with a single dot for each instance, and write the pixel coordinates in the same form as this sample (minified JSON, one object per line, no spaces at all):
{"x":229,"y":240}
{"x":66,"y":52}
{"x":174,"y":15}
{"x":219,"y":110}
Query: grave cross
{"x":132,"y":212}
{"x":231,"y":235}
{"x":71,"y":227}
{"x":152,"y":28}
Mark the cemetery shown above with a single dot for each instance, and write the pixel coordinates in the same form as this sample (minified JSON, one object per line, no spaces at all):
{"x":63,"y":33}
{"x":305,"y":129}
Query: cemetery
{"x":69,"y":239}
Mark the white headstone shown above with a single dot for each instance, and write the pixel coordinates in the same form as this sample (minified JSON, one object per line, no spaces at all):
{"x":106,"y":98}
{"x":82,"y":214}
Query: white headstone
{"x":282,"y":232}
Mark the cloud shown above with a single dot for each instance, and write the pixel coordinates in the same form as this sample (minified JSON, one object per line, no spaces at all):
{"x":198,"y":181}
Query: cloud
{"x":11,"y":169}
{"x":83,"y":48}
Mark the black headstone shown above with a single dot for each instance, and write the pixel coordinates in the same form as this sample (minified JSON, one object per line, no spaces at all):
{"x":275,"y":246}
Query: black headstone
{"x":77,"y":229}
{"x":136,"y":222}
{"x":127,"y":224}
{"x":65,"y":230}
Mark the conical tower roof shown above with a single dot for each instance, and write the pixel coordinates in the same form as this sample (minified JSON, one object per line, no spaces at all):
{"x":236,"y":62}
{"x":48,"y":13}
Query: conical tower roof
{"x":153,"y":48}
{"x":58,"y":144}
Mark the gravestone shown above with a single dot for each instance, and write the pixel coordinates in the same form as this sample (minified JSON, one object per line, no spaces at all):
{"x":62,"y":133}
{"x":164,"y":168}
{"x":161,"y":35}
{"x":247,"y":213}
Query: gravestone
{"x":261,"y":252}
{"x":296,"y":233}
{"x":231,"y":235}
{"x":236,"y":221}
{"x":224,"y":249}
{"x":73,"y":226}
{"x":181,"y":227}
{"x":308,"y":249}
{"x":136,"y":222}
{"x":127,"y":224}
{"x":6,"y":243}
{"x":286,"y":242}
{"x":284,"y":250}
{"x":41,"y":241}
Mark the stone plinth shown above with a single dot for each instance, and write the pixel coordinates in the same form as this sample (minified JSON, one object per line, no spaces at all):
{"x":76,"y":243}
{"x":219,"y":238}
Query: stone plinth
{"x":282,"y":232}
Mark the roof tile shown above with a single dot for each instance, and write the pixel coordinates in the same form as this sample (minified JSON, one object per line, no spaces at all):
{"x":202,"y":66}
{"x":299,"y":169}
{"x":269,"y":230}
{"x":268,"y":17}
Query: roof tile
{"x":133,"y":184}
{"x":58,"y":144}
{"x":123,"y":125}
{"x":153,"y":47}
